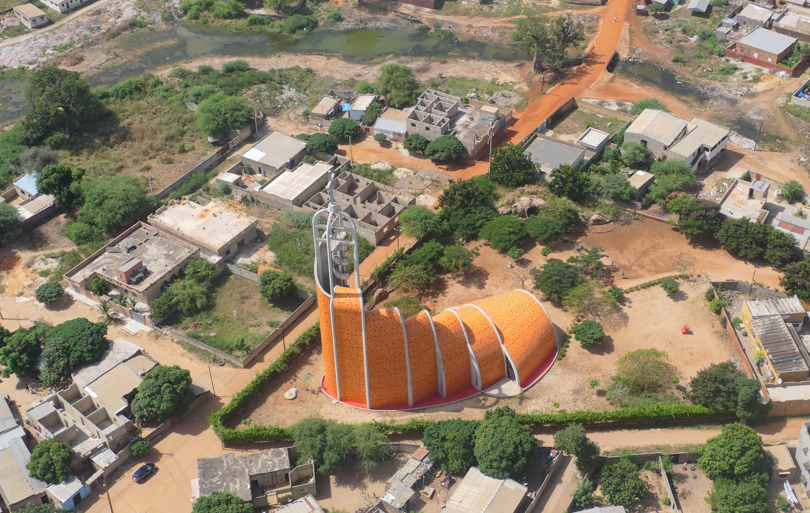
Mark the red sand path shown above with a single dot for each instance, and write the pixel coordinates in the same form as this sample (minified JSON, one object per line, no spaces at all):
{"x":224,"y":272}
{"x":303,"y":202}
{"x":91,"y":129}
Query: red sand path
{"x":602,"y":49}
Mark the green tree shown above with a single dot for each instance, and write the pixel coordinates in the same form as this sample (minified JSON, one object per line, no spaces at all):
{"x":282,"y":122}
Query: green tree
{"x":164,"y":392}
{"x":409,"y":278}
{"x":670,"y":175}
{"x":444,"y":148}
{"x":511,"y":167}
{"x":397,"y":83}
{"x":200,"y":269}
{"x":556,"y":279}
{"x":634,"y":153}
{"x":715,"y":387}
{"x":372,"y":113}
{"x":614,"y":186}
{"x":588,"y":332}
{"x":647,"y":103}
{"x":189,"y":296}
{"x":162,"y":306}
{"x":113,"y":202}
{"x":456,"y":259}
{"x":99,"y":286}
{"x":591,"y":299}
{"x":420,"y":222}
{"x":323,"y":441}
{"x":621,"y":483}
{"x":50,"y":461}
{"x":372,"y":446}
{"x":546,"y":229}
{"x":743,"y":238}
{"x":220,"y":113}
{"x":339,"y":441}
{"x":437,"y":435}
{"x":58,"y":100}
{"x":670,"y":286}
{"x":221,"y":502}
{"x":504,"y":447}
{"x":466,"y":194}
{"x":736,"y":453}
{"x":728,"y":496}
{"x":81,"y":233}
{"x":427,"y":257}
{"x":276,"y":5}
{"x":20,"y":353}
{"x":88,"y":340}
{"x":277,"y":285}
{"x":467,"y":223}
{"x":35,"y":159}
{"x":343,"y":128}
{"x":748,"y":402}
{"x":643,"y":370}
{"x":589,"y":263}
{"x":49,"y":293}
{"x":574,"y":441}
{"x":569,"y":182}
{"x":796,"y":279}
{"x":793,"y":190}
{"x":548,"y":40}
{"x":297,"y":23}
{"x":583,"y":495}
{"x":380,"y":138}
{"x":139,"y":447}
{"x":504,"y":233}
{"x":9,"y":219}
{"x":460,"y":455}
{"x":322,"y":143}
{"x":416,"y":143}
{"x":675,"y":205}
{"x":698,"y":218}
{"x":56,"y":362}
{"x":780,"y":246}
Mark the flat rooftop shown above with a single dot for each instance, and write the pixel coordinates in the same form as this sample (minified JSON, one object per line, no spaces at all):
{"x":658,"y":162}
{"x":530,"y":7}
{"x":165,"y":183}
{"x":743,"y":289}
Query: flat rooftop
{"x":211,"y":226}
{"x":792,"y":225}
{"x":289,"y":185}
{"x":324,"y":106}
{"x":593,"y":137}
{"x":275,"y":150}
{"x":363,"y":101}
{"x":701,"y":133}
{"x":737,"y":204}
{"x":7,"y":419}
{"x":30,"y":10}
{"x":552,"y":153}
{"x":110,"y":388}
{"x":160,"y":254}
{"x":657,"y":125}
{"x":755,"y":12}
{"x":768,"y":41}
{"x":478,"y":493}
{"x":231,"y":473}
{"x":791,"y":19}
{"x":120,"y":349}
{"x":640,"y":178}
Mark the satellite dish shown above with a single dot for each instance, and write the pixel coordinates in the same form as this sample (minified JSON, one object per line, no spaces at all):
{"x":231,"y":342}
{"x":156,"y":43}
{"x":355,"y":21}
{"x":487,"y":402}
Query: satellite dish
{"x":779,"y":381}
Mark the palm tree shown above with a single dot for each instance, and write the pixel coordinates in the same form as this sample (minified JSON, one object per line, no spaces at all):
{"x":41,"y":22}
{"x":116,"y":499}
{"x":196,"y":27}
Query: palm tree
{"x":107,"y":311}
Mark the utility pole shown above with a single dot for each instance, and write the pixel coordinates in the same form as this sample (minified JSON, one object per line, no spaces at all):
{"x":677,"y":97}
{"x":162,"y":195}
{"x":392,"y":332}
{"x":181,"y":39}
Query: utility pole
{"x":150,"y":186}
{"x":107,"y":489}
{"x":489,"y":171}
{"x":351,"y":154}
{"x":212,"y":381}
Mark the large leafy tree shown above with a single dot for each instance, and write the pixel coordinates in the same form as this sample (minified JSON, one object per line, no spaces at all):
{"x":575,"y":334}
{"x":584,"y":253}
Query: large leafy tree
{"x":504,"y":447}
{"x":621,"y":483}
{"x":56,"y":357}
{"x":410,"y":278}
{"x":189,"y":296}
{"x":793,"y":190}
{"x":643,"y":370}
{"x":419,"y":222}
{"x":200,"y":269}
{"x":743,"y":238}
{"x":546,"y":229}
{"x":748,"y":398}
{"x":592,"y":300}
{"x":569,"y":182}
{"x":714,"y":387}
{"x":397,"y":83}
{"x":58,"y":100}
{"x":574,"y":441}
{"x":50,"y":461}
{"x":504,"y":233}
{"x":326,"y":442}
{"x":322,"y":143}
{"x":416,"y":143}
{"x":276,"y":285}
{"x":613,"y":186}
{"x":556,"y":279}
{"x":88,"y":340}
{"x":511,"y":167}
{"x":63,"y":183}
{"x":372,"y":113}
{"x":220,"y":113}
{"x":467,"y":223}
{"x":796,"y":280}
{"x":588,"y":332}
{"x":465,"y":194}
{"x":343,"y":128}
{"x":21,"y":350}
{"x":9,"y":218}
{"x":779,"y":248}
{"x":548,"y":40}
{"x":589,"y":263}
{"x":729,"y":496}
{"x":736,"y":453}
{"x":163,"y":393}
{"x":670,"y":175}
{"x":114,"y":202}
{"x":439,"y":434}
{"x":49,"y":293}
{"x":372,"y":446}
{"x":444,"y":148}
{"x":221,"y":502}
{"x":634,"y":153}
{"x":456,"y":259}
{"x":698,"y":217}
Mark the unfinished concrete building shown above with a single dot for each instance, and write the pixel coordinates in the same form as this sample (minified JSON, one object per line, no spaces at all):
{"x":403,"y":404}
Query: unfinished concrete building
{"x":373,"y":208}
{"x":433,"y":114}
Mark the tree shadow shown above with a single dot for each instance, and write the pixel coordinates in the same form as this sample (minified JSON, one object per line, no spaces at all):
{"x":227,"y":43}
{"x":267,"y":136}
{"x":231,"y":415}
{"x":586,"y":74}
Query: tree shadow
{"x":60,"y":305}
{"x":616,"y":321}
{"x":606,"y":347}
{"x":679,"y":297}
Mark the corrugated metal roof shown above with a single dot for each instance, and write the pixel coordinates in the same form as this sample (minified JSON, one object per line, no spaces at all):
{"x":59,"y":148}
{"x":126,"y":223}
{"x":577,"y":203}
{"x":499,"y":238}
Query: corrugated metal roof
{"x":290,"y":185}
{"x":768,"y":41}
{"x":394,"y":115}
{"x":390,"y":125}
{"x":756,"y":13}
{"x":35,"y":206}
{"x":7,"y":420}
{"x":66,"y":489}
{"x":551,"y":153}
{"x":326,"y":104}
{"x":276,"y":150}
{"x":698,"y":5}
{"x":363,"y":101}
{"x":778,"y":343}
{"x":658,"y":125}
{"x":478,"y":493}
{"x":775,"y":306}
{"x":397,"y":495}
{"x":28,"y":183}
{"x":702,"y":133}
{"x":15,"y":481}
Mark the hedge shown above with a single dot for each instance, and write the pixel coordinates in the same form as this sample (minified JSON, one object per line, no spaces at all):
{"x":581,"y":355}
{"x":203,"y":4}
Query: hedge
{"x":258,"y":433}
{"x":240,"y":400}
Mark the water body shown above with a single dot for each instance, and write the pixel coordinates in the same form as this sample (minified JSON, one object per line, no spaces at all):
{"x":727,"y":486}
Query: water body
{"x":648,"y":73}
{"x":192,"y":42}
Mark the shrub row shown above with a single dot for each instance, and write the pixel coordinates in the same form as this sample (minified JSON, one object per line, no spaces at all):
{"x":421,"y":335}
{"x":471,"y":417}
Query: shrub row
{"x":382,"y":270}
{"x":653,"y":283}
{"x":240,"y":400}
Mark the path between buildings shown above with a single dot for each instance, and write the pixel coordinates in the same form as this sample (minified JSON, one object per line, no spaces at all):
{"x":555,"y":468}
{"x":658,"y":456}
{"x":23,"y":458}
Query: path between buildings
{"x":64,"y":21}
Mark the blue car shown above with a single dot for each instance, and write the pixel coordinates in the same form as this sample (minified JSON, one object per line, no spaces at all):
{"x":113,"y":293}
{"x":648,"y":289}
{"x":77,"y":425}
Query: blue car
{"x":142,"y":473}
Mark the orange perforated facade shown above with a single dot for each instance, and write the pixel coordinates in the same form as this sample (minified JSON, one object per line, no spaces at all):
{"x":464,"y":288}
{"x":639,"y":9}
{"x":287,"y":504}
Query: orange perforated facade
{"x":485,"y":344}
{"x":387,"y":362}
{"x":453,"y":349}
{"x":422,"y":354}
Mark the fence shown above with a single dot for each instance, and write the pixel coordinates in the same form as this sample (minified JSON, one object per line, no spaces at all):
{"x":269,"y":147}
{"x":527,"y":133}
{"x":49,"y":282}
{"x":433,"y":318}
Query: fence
{"x":243,"y":273}
{"x":731,"y":51}
{"x":549,"y":478}
{"x":208,"y":164}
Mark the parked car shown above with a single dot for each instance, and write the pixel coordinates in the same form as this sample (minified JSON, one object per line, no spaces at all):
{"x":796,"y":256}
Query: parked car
{"x":145,"y":471}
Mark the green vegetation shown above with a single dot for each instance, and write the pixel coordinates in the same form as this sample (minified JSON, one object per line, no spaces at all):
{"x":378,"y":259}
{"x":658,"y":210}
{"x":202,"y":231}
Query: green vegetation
{"x":420,"y":222}
{"x":796,"y":279}
{"x":70,"y":345}
{"x":621,"y":482}
{"x":139,"y":447}
{"x":569,"y":182}
{"x":548,"y":40}
{"x":163,"y":393}
{"x":221,"y":502}
{"x":510,"y":167}
{"x":320,"y":142}
{"x":343,"y":128}
{"x":556,"y":279}
{"x":416,"y":143}
{"x":504,"y":233}
{"x":49,"y":293}
{"x":200,"y":270}
{"x":574,"y":441}
{"x":445,"y":148}
{"x":504,"y":447}
{"x":297,"y":24}
{"x":219,"y":114}
{"x":276,"y":286}
{"x":20,"y":351}
{"x":647,"y":103}
{"x":793,"y":191}
{"x":50,"y":461}
{"x":670,"y":286}
{"x":588,"y":332}
{"x":398,"y":84}
{"x":329,"y":443}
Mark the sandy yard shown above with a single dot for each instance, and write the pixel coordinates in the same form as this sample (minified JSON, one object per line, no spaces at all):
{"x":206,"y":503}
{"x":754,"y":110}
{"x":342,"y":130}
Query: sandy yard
{"x":567,"y":381}
{"x":651,"y":502}
{"x":691,"y":486}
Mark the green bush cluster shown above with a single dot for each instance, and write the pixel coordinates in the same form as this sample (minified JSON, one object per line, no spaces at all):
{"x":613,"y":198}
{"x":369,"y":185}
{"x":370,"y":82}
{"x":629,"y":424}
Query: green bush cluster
{"x":653,"y":283}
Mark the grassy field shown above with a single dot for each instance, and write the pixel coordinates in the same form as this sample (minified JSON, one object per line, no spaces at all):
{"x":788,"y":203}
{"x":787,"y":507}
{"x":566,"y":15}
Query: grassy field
{"x":238,"y":319}
{"x":579,"y":120}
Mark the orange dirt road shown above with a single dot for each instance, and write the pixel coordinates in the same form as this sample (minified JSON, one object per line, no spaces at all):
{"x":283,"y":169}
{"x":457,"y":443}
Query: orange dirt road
{"x":601,"y":51}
